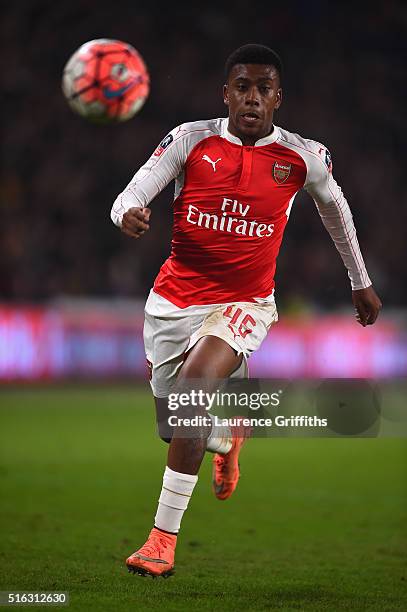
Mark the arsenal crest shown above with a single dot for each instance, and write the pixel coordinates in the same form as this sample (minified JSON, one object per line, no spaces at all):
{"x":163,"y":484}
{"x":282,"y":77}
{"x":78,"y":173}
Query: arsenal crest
{"x":281,"y":172}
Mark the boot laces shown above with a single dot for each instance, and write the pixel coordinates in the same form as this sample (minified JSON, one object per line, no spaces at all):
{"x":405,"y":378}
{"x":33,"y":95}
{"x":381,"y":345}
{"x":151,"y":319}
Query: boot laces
{"x":221,"y":462}
{"x":153,"y":545}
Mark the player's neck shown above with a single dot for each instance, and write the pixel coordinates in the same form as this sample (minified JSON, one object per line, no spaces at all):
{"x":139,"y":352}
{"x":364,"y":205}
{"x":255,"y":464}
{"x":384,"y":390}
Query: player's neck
{"x":248,"y":141}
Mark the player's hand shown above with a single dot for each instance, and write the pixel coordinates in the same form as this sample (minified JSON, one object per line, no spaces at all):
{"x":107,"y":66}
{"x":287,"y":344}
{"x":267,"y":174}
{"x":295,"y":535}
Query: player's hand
{"x":367,"y":305}
{"x":135,"y":222}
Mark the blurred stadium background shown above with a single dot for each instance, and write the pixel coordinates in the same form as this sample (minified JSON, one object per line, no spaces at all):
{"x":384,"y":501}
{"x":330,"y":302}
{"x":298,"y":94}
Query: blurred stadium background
{"x":72,"y":287}
{"x":72,"y":290}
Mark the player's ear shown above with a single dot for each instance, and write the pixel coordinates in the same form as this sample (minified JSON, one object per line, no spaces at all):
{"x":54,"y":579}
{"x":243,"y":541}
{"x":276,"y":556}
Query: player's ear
{"x":226,"y":95}
{"x":279,"y":98}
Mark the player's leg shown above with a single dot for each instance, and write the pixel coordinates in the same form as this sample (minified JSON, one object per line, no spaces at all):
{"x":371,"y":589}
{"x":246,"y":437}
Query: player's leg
{"x":243,"y":326}
{"x":211,"y":358}
{"x":219,"y":440}
{"x":224,"y":441}
{"x":227,"y":325}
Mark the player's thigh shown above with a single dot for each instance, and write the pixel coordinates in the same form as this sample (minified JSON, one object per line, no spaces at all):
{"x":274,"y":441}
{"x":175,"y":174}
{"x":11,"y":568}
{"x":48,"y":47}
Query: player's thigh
{"x":210,"y":358}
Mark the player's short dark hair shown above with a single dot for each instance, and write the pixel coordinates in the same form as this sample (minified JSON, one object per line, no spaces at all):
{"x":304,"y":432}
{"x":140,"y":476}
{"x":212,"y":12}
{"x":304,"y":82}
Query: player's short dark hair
{"x":254,"y":54}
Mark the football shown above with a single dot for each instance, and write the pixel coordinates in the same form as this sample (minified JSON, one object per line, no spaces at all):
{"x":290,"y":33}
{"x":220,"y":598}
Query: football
{"x":106,"y":81}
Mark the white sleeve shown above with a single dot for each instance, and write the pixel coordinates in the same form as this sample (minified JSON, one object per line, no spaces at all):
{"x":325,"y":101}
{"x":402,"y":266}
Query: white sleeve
{"x":164,"y":165}
{"x":335,"y":214}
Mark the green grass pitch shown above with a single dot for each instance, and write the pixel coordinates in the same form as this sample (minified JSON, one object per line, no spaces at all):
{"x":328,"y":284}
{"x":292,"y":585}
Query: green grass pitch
{"x":315,"y":524}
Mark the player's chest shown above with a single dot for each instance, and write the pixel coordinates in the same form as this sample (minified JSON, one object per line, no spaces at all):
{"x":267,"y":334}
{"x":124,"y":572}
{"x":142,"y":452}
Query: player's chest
{"x":220,"y":166}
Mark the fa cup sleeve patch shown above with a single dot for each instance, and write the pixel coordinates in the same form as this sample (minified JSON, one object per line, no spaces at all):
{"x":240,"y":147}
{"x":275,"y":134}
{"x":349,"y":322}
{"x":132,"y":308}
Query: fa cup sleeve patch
{"x":163,"y":145}
{"x":328,"y":160}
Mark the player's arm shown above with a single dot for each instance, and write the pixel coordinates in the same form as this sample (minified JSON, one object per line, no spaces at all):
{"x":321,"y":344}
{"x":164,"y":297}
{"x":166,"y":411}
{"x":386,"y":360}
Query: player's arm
{"x":129,"y":211}
{"x":337,"y":219}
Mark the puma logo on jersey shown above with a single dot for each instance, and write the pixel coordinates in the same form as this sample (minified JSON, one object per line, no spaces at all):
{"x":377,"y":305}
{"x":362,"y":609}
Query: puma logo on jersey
{"x":208,"y":159}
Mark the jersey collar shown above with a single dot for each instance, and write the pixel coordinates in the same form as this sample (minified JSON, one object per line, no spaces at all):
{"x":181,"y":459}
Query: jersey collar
{"x":259,"y":143}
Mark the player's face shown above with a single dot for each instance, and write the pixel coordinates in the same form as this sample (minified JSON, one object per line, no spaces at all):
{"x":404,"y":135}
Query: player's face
{"x":252,"y":94}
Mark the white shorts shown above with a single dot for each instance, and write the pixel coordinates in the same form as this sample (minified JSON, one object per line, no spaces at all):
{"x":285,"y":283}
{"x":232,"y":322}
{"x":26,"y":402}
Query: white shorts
{"x":170,"y":332}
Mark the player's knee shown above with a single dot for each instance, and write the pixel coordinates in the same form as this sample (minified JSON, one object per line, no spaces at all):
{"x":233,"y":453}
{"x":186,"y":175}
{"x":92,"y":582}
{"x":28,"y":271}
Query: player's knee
{"x":195,"y":369}
{"x":164,"y":432}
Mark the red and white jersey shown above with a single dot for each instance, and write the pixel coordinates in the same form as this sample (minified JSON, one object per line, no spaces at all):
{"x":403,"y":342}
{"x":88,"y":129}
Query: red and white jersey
{"x":231,"y":206}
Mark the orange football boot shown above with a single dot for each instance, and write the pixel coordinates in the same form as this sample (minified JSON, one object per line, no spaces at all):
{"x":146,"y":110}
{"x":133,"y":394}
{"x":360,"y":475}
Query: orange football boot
{"x":225,"y":475}
{"x":156,"y":557}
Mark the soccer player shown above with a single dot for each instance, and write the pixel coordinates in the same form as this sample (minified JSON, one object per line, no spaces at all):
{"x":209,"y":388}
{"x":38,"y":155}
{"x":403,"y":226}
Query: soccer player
{"x":212,"y":303}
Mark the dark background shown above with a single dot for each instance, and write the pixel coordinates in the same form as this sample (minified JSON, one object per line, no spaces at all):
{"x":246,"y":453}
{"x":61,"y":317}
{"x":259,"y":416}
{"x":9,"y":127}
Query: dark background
{"x":344,"y":66}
